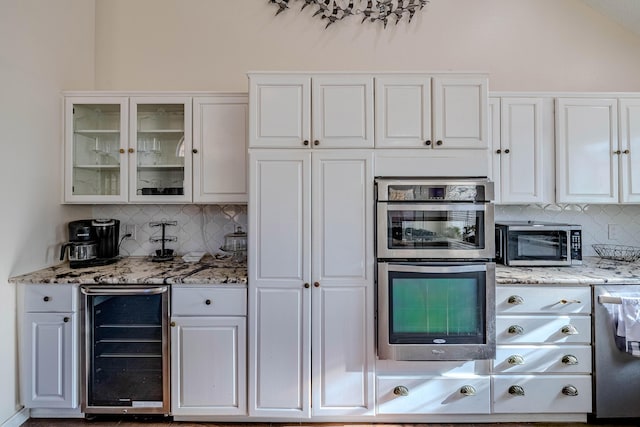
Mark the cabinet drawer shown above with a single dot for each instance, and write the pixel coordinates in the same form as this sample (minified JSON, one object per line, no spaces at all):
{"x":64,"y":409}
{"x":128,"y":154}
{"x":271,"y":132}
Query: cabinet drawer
{"x":547,"y":299}
{"x":542,"y":394}
{"x":543,"y":329}
{"x":555,"y":359}
{"x":208,"y":301}
{"x":50,"y":298}
{"x":434,"y":395}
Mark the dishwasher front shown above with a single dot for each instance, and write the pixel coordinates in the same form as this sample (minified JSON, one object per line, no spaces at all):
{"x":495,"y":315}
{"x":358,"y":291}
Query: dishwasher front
{"x":616,"y":374}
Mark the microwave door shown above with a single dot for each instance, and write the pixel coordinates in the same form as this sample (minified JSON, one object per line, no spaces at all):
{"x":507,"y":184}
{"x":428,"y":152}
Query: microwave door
{"x":547,"y":247}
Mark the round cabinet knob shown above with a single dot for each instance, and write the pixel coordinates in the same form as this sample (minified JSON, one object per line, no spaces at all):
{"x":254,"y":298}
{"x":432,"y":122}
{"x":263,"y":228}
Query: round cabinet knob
{"x":467,"y":390}
{"x":569,"y":330}
{"x":515,"y":359}
{"x":617,"y":152}
{"x":498,"y":151}
{"x":121,"y":151}
{"x":172,"y":324}
{"x":626,"y":151}
{"x":438,"y":142}
{"x":427,"y":142}
{"x":516,"y":330}
{"x":66,"y":320}
{"x":194,"y":151}
{"x":569,"y":359}
{"x":208,"y":302}
{"x":316,"y":284}
{"x":46,"y":299}
{"x":131,"y":150}
{"x":316,"y":142}
{"x":569,"y":390}
{"x":507,"y":151}
{"x":515,"y":300}
{"x":516,"y":390}
{"x":305,"y":142}
{"x":401,"y":391}
{"x":306,"y":285}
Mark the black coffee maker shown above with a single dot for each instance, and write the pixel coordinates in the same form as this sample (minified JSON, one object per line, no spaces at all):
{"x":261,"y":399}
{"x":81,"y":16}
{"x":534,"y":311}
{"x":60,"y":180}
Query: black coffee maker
{"x":92,"y":242}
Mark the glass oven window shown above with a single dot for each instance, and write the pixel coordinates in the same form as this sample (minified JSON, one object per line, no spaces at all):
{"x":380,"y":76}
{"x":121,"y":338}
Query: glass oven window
{"x":538,"y":245}
{"x":438,"y":308}
{"x":455,"y":229}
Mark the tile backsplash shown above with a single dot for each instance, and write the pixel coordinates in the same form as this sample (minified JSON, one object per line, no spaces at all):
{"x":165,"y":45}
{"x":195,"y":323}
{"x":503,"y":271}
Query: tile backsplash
{"x":595,"y":220}
{"x":199,"y":227}
{"x":203,"y":227}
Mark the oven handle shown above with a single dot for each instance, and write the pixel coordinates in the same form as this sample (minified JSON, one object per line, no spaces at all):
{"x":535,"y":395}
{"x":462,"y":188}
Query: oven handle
{"x":123,"y":290}
{"x":416,"y":268}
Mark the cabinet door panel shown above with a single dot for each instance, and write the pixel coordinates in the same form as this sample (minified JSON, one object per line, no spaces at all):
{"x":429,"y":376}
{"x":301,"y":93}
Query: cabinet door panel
{"x":403,"y":111}
{"x":586,"y":138}
{"x":630,"y":147}
{"x":208,"y":365}
{"x":50,"y":361}
{"x":220,"y":143}
{"x":279,"y":369}
{"x":343,"y":111}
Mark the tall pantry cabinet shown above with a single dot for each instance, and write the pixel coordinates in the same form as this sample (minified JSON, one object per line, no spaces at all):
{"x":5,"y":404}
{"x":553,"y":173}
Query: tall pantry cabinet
{"x":311,"y":341}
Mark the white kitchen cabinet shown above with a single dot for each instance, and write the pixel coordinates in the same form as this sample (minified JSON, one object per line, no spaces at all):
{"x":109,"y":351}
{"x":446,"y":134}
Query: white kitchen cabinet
{"x":543,"y":355}
{"x":208,"y":351}
{"x":629,"y":150}
{"x":49,"y":365}
{"x":587,"y":150}
{"x":311,"y":299}
{"x":522,"y":149}
{"x":310,"y":110}
{"x":220,"y":125}
{"x":414,"y":111}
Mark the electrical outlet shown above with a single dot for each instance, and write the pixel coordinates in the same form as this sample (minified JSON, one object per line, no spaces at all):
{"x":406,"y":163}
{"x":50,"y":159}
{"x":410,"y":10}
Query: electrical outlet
{"x":613,"y":230}
{"x":130,"y":229}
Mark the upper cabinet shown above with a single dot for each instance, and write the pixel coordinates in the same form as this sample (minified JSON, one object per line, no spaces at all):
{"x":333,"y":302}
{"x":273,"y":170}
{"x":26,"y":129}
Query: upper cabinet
{"x":587,"y":150}
{"x":423,"y":111}
{"x":522,"y":134}
{"x":140,"y":149}
{"x":630,"y":150}
{"x":311,"y":111}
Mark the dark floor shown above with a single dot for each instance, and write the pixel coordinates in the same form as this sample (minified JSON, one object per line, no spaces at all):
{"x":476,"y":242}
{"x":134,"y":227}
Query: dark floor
{"x":159,"y":422}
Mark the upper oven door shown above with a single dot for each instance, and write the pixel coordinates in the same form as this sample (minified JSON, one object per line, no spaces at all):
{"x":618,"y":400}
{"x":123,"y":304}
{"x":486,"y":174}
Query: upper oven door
{"x":435,"y":230}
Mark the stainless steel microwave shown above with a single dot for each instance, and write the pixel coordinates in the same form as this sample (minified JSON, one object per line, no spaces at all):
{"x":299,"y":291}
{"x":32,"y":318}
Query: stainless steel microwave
{"x":531,"y":243}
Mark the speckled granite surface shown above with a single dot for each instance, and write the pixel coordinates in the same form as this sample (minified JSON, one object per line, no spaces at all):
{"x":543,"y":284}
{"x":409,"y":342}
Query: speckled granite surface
{"x":594,"y":271}
{"x":216,"y":269}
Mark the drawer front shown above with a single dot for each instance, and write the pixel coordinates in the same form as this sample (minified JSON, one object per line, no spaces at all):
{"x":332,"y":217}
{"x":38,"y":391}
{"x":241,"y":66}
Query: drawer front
{"x":208,"y":301}
{"x":554,"y":359}
{"x":543,"y":329}
{"x":542,"y":394}
{"x":547,"y":299}
{"x":62,"y":298}
{"x":434,"y":395}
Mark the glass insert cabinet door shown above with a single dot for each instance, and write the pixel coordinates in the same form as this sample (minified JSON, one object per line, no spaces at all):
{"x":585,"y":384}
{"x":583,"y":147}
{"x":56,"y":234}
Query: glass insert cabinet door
{"x":96,"y":139}
{"x":160,"y":164}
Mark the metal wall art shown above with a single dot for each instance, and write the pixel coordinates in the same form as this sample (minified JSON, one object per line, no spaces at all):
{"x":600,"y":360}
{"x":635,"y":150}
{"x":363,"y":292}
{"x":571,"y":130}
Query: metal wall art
{"x":384,"y":11}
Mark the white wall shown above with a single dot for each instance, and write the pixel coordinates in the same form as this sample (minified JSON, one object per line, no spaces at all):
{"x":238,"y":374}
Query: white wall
{"x":524,"y":45}
{"x":45,"y":47}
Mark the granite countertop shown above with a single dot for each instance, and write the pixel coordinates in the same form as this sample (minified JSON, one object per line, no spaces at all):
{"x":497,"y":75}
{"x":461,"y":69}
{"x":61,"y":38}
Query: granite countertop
{"x":593,"y":271}
{"x":216,"y":269}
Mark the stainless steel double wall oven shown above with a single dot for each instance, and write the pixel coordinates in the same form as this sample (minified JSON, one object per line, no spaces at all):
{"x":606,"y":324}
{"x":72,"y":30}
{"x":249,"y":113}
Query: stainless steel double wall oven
{"x":435,"y":277}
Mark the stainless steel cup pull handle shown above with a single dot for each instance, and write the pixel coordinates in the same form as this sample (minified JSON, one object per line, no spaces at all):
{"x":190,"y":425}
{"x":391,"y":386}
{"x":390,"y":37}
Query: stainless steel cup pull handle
{"x":569,"y":301}
{"x":569,"y":359}
{"x":516,"y":390}
{"x":401,"y":391}
{"x":569,"y":390}
{"x":569,"y":330}
{"x":516,"y":330}
{"x":515,"y":300}
{"x":468,"y":390}
{"x":515,"y":359}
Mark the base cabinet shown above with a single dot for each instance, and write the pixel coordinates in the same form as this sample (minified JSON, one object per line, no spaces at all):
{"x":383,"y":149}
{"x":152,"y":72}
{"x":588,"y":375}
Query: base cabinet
{"x":49,"y":347}
{"x":208,"y":351}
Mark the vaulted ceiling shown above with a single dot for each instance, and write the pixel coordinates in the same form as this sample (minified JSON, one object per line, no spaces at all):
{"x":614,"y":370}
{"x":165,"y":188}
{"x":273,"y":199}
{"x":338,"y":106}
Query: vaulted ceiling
{"x":624,"y":12}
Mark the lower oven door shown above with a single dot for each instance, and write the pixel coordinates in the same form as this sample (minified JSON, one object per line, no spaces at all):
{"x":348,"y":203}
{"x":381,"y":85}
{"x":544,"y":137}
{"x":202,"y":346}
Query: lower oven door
{"x":436,"y":311}
{"x":125,"y":350}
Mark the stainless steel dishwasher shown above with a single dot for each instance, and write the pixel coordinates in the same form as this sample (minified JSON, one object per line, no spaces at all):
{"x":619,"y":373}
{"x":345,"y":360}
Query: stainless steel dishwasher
{"x":125,"y":349}
{"x":616,"y":374}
